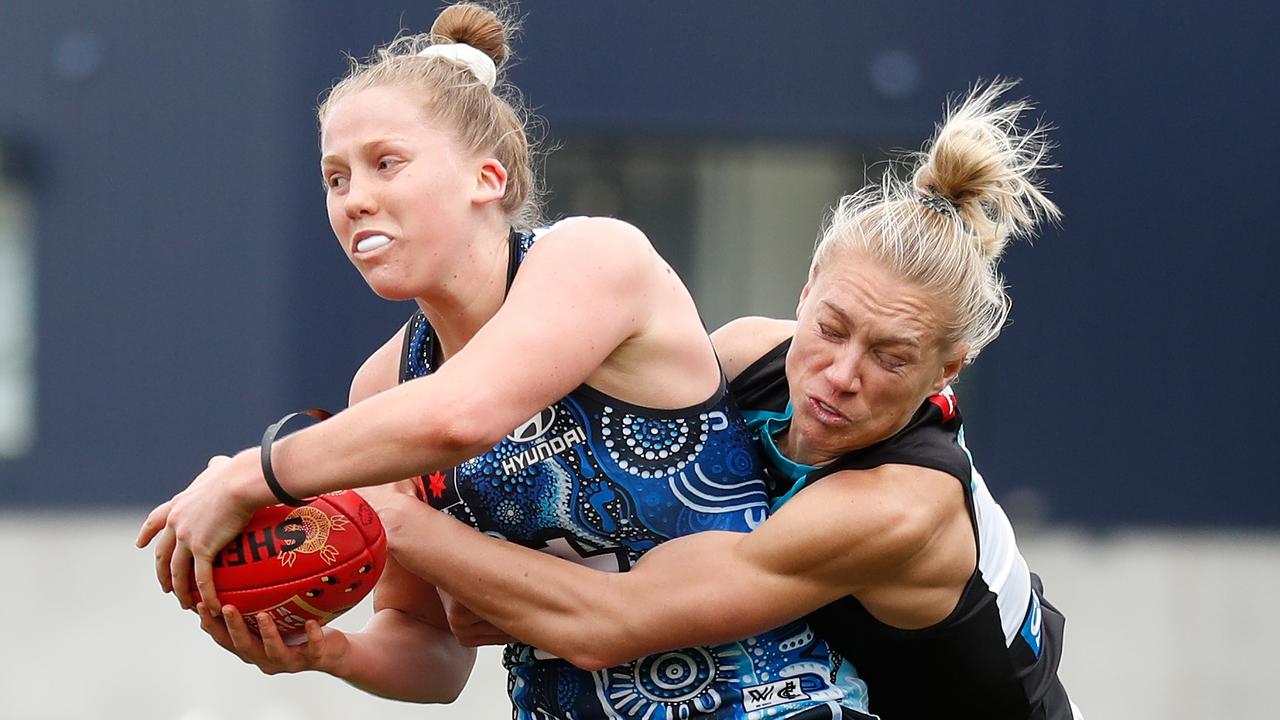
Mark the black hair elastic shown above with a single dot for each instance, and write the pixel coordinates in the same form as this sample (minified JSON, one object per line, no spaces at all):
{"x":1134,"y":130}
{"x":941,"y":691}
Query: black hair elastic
{"x":938,"y":203}
{"x":268,"y":438}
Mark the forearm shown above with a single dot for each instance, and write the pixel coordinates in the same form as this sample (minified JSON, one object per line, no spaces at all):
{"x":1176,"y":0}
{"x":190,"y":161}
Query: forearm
{"x":399,"y":657}
{"x":555,"y":605}
{"x":393,"y":435}
{"x":675,"y":598}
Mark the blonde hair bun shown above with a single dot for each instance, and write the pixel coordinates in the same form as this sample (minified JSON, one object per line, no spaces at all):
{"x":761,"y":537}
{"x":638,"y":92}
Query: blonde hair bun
{"x":986,"y":167}
{"x":972,"y":188}
{"x":474,"y":25}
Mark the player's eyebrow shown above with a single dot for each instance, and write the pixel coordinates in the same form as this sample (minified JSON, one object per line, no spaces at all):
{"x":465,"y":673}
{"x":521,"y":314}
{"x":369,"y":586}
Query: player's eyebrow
{"x":904,"y":340}
{"x":364,"y":148}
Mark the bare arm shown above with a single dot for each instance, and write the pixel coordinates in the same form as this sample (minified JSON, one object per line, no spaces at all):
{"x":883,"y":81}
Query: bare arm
{"x":570,"y":280}
{"x":406,"y":651}
{"x":854,"y":533}
{"x":471,"y":402}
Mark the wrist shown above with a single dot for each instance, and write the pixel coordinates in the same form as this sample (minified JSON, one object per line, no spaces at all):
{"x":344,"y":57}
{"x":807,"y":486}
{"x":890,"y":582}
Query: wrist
{"x":247,"y":485}
{"x":266,"y":453}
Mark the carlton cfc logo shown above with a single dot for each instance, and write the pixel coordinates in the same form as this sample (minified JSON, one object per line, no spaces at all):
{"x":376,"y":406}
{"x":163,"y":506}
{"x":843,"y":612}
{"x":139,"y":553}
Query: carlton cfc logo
{"x":535,"y":427}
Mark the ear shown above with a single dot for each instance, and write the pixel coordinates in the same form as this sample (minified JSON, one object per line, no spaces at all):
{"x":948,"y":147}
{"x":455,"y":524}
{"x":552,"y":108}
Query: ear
{"x":491,"y":181}
{"x":951,"y":368}
{"x":804,"y":293}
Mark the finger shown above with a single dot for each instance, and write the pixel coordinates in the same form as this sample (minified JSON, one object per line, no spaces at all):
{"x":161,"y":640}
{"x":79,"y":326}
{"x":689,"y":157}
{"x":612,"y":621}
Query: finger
{"x":153,"y":524}
{"x":246,"y":644}
{"x":216,"y":627}
{"x":180,"y":573}
{"x":313,"y":648}
{"x":164,"y":552}
{"x":204,"y":583}
{"x":272,"y":644}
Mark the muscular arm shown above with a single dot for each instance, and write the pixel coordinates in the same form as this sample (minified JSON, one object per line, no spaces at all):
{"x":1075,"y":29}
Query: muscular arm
{"x":569,"y":281}
{"x":854,"y":533}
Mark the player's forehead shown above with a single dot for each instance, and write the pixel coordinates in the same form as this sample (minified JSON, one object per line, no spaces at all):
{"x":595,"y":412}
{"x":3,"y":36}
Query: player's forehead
{"x":862,"y":294}
{"x":379,"y":113}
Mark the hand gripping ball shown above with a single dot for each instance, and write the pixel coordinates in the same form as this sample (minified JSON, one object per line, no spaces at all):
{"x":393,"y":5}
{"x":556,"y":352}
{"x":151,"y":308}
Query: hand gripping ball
{"x":313,"y":562}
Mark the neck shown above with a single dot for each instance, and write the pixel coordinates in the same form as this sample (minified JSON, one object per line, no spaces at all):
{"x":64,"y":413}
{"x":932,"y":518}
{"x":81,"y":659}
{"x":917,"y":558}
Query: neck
{"x":791,"y":444}
{"x":472,"y":293}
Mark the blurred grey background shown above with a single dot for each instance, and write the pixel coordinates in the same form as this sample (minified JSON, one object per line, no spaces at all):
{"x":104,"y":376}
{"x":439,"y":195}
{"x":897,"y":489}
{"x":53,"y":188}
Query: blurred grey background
{"x":169,"y":285}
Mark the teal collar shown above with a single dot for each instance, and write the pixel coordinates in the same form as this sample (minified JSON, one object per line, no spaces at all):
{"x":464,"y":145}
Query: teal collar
{"x":798,"y":473}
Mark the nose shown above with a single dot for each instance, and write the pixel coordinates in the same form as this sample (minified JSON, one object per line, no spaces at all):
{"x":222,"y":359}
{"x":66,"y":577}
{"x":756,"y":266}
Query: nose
{"x":359,"y":200}
{"x":843,"y":371}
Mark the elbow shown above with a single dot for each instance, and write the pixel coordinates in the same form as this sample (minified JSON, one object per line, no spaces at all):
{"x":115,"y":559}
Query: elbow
{"x":598,"y":652}
{"x":602,"y":630}
{"x":598,"y":646}
{"x":445,"y":685}
{"x":442,"y":696}
{"x":590,"y":662}
{"x":456,"y":436}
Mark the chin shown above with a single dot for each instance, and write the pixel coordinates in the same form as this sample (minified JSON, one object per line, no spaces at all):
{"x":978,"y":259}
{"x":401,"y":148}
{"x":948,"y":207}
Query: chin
{"x":392,"y":286}
{"x":393,"y":292}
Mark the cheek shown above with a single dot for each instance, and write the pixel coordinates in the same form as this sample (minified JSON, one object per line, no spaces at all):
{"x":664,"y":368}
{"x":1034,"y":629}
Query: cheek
{"x":336,"y":216}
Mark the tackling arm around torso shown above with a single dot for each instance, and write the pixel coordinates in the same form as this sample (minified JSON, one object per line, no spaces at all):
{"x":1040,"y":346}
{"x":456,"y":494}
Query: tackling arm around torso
{"x":894,"y":536}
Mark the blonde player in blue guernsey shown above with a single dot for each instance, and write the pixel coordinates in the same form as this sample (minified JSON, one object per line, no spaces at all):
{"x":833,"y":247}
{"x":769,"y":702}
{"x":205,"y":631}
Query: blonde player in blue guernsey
{"x":555,"y":390}
{"x":885,"y":535}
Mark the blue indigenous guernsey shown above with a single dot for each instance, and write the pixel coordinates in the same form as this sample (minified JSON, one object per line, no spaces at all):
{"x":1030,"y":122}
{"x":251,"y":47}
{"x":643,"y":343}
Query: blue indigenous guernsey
{"x":601,"y":482}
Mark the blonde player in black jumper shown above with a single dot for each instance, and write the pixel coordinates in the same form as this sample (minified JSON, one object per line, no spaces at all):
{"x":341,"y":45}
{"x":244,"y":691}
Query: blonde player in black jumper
{"x":885,"y":535}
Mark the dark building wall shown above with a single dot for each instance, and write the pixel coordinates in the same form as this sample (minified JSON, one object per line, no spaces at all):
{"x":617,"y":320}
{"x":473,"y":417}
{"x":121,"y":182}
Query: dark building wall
{"x":190,"y":290}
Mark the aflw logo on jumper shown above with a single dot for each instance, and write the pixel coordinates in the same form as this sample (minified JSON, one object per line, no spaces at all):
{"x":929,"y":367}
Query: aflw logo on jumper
{"x":534,"y":428}
{"x":758,"y":697}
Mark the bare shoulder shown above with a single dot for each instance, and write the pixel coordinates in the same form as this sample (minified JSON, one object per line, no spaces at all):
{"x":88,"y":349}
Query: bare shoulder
{"x":741,"y":342}
{"x":594,"y":240}
{"x":592,"y":256}
{"x":381,"y":371}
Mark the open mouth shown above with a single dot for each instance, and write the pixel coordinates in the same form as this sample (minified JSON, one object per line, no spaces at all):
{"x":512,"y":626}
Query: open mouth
{"x":825,"y":413}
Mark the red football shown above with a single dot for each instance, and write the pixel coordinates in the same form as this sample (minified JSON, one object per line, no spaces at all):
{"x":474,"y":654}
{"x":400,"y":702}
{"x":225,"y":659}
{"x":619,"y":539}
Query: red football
{"x":308,"y":563}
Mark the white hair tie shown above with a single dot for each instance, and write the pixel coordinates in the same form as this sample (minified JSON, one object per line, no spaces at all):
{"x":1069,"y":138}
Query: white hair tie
{"x":480,"y":64}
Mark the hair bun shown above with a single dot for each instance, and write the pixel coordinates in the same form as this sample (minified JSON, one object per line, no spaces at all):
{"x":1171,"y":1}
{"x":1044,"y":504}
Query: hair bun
{"x":986,"y":167}
{"x":473,"y":25}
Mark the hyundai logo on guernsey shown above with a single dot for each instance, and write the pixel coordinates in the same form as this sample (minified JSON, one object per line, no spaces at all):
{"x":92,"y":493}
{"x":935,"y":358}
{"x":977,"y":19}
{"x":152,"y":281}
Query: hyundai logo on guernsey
{"x":530,"y":431}
{"x":535,"y":427}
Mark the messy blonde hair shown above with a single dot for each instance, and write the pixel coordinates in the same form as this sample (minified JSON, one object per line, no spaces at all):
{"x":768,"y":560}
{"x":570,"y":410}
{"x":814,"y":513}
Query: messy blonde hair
{"x":483,"y":120}
{"x":972,"y":188}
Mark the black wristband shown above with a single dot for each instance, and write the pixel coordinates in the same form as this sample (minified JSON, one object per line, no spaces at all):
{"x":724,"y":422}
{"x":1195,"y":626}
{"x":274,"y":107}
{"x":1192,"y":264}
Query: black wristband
{"x":268,"y":438}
